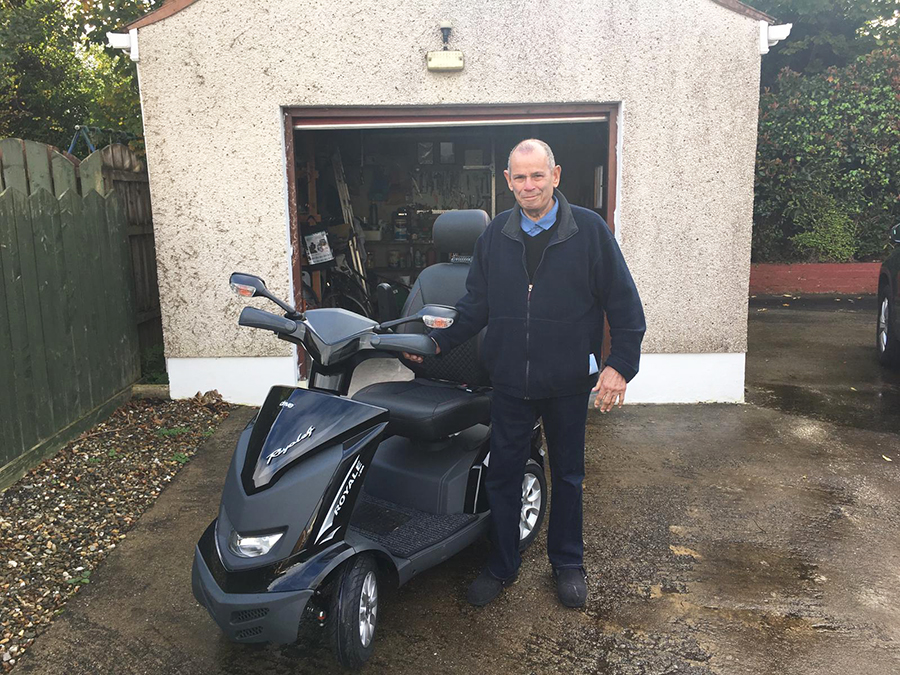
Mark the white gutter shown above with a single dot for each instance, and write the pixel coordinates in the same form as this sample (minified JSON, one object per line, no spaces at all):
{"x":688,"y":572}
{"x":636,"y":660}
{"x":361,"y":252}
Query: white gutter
{"x":124,"y":41}
{"x":770,"y":35}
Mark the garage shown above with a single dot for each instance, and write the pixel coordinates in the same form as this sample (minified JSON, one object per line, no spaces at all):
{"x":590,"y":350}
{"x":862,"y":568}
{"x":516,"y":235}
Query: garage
{"x":650,"y":107}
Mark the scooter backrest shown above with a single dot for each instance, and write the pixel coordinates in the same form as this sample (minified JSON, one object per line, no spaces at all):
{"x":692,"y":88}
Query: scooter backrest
{"x":455,"y":233}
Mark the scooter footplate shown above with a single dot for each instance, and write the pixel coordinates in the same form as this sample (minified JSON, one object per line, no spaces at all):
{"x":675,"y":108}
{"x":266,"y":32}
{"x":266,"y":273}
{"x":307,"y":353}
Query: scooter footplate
{"x":401,"y":530}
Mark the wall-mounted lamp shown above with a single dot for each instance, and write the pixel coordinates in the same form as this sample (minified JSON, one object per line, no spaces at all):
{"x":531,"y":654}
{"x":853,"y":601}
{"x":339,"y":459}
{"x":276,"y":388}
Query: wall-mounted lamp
{"x":446,"y":27}
{"x":446,"y":59}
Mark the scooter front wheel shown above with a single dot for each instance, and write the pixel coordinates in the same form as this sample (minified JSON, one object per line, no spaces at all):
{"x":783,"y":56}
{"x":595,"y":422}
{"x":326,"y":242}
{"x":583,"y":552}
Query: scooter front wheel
{"x":353,"y":615}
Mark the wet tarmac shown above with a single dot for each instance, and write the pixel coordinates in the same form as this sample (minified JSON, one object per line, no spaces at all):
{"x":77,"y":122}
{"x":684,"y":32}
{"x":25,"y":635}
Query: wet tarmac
{"x":760,"y":538}
{"x":815,"y":356}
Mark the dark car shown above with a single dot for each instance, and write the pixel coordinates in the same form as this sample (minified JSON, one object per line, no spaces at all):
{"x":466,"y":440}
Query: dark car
{"x":887,"y":339}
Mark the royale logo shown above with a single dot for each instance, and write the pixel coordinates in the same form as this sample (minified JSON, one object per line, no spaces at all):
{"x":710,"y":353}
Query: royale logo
{"x":354,"y":474}
{"x":278,"y":453}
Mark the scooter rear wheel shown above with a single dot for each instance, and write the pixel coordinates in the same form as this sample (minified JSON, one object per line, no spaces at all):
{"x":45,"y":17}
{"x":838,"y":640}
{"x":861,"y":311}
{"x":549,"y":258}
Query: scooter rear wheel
{"x":353,"y":614}
{"x":534,"y":504}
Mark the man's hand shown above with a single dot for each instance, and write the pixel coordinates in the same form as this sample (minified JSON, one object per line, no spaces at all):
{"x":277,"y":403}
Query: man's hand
{"x":418,"y":359}
{"x":611,"y":388}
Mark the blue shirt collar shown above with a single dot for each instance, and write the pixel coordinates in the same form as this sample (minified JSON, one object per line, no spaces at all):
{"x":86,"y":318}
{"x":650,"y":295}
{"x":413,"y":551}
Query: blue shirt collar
{"x":532,"y":228}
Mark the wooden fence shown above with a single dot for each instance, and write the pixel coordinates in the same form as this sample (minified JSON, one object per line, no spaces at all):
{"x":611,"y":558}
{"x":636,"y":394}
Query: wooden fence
{"x":69,"y":345}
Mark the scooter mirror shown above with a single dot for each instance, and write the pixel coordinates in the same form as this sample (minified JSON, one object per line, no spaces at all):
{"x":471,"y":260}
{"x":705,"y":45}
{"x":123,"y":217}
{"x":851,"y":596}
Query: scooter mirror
{"x":431,"y":315}
{"x":438,"y":316}
{"x":248,"y":285}
{"x":251,"y":286}
{"x":442,"y":311}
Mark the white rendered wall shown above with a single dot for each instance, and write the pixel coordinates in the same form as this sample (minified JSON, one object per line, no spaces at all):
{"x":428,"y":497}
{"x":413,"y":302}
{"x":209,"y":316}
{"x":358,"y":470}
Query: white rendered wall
{"x":688,"y":378}
{"x":239,"y":380}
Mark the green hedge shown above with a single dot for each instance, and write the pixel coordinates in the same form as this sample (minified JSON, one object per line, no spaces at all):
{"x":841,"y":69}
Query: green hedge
{"x":828,"y":163}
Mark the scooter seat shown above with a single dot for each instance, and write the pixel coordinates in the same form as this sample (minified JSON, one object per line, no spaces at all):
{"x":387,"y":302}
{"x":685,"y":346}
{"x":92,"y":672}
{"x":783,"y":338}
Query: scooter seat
{"x":427,"y":410}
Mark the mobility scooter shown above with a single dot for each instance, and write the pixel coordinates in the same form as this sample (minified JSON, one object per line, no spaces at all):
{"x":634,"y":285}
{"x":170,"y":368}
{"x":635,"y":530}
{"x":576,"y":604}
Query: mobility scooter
{"x":330,"y":498}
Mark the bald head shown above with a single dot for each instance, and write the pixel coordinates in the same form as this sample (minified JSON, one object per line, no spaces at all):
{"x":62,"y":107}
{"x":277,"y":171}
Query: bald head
{"x":529,"y":146}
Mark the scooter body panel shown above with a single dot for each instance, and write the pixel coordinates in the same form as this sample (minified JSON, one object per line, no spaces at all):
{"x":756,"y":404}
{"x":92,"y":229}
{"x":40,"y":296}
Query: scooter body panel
{"x":248,"y":617}
{"x":288,"y":492}
{"x":295,"y":422}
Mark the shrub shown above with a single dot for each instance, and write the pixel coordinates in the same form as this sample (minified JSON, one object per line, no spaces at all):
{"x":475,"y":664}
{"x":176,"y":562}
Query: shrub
{"x":828,"y":163}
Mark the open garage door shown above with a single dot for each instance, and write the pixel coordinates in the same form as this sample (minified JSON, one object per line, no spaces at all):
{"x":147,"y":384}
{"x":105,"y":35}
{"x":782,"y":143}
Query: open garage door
{"x":366,"y":184}
{"x":395,"y":169}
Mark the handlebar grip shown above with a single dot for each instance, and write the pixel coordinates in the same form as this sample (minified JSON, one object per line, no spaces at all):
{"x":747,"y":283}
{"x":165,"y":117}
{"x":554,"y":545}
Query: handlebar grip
{"x":257,"y":318}
{"x":413,"y":343}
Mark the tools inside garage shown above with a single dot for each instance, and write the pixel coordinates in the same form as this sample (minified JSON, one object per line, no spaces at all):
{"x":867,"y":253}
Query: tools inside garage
{"x":368,"y":198}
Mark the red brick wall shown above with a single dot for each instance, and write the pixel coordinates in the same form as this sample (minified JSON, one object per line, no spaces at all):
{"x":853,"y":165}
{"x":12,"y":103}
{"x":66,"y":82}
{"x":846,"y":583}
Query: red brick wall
{"x":850,"y":278}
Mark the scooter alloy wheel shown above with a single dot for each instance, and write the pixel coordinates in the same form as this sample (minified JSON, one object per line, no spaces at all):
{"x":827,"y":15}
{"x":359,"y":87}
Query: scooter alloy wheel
{"x":354,"y":611}
{"x":368,"y":609}
{"x":534,"y":504}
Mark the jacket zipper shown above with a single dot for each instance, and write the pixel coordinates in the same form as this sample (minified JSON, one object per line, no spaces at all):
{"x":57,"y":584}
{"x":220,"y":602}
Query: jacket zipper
{"x":528,"y":308}
{"x":527,"y":337}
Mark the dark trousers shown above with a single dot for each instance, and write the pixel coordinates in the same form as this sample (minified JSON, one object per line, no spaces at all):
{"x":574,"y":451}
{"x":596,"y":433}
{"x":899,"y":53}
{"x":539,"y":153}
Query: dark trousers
{"x":512,"y":421}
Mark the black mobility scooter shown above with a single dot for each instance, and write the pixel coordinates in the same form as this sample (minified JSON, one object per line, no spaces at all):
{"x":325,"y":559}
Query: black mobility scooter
{"x":329,"y":498}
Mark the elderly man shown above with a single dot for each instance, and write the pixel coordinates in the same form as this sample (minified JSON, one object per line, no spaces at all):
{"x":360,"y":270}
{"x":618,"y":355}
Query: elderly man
{"x":541,"y":279}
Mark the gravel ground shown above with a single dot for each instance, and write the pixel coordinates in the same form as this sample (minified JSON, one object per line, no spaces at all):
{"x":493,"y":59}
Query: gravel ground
{"x":61,"y":520}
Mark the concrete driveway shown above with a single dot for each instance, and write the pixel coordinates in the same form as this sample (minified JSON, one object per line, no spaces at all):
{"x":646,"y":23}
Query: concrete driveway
{"x":762,"y":538}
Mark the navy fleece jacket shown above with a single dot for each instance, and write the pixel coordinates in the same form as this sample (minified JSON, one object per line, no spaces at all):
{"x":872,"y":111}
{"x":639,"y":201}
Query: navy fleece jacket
{"x":540,"y":336}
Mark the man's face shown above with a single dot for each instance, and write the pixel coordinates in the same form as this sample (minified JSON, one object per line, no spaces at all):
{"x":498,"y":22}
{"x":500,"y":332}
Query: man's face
{"x":532,"y":181}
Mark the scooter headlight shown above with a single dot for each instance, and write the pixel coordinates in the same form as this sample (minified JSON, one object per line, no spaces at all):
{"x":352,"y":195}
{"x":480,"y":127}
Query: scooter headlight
{"x":252,"y":546}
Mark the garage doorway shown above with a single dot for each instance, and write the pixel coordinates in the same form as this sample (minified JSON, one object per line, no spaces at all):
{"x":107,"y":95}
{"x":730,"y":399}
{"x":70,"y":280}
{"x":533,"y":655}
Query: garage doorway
{"x":366,"y":184}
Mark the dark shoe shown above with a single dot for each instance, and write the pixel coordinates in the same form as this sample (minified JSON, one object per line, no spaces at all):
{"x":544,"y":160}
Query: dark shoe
{"x":570,"y":586}
{"x":485,"y":588}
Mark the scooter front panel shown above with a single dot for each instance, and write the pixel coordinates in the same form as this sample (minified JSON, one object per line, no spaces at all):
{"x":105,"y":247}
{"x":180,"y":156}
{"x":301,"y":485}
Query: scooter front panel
{"x":294,"y":422}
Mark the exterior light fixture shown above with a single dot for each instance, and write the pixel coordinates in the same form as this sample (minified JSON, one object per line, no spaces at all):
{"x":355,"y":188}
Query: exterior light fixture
{"x":446,"y":59}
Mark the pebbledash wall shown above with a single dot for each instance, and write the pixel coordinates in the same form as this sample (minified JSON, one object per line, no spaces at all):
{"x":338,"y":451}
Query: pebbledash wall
{"x":215,"y":76}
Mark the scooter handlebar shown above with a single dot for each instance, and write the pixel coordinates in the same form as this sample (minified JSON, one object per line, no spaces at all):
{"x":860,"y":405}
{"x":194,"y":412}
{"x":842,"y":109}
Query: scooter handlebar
{"x":257,"y":318}
{"x":412,"y":343}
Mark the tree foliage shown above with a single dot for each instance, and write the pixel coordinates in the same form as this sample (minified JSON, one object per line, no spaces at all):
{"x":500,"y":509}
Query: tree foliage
{"x":827,"y":33}
{"x":42,"y":89}
{"x":56,"y":72}
{"x":828,"y":162}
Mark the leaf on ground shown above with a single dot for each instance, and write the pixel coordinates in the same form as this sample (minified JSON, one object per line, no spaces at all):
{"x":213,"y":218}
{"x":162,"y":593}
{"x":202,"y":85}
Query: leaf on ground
{"x":886,"y":458}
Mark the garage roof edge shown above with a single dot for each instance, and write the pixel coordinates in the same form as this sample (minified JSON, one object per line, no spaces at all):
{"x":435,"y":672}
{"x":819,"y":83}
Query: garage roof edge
{"x":171,"y":7}
{"x":745,"y":9}
{"x":166,"y":10}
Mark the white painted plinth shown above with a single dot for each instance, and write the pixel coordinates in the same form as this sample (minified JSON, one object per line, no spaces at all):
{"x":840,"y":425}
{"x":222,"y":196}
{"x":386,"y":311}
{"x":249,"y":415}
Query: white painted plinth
{"x":688,"y":378}
{"x":245,"y":381}
{"x":663,"y":378}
